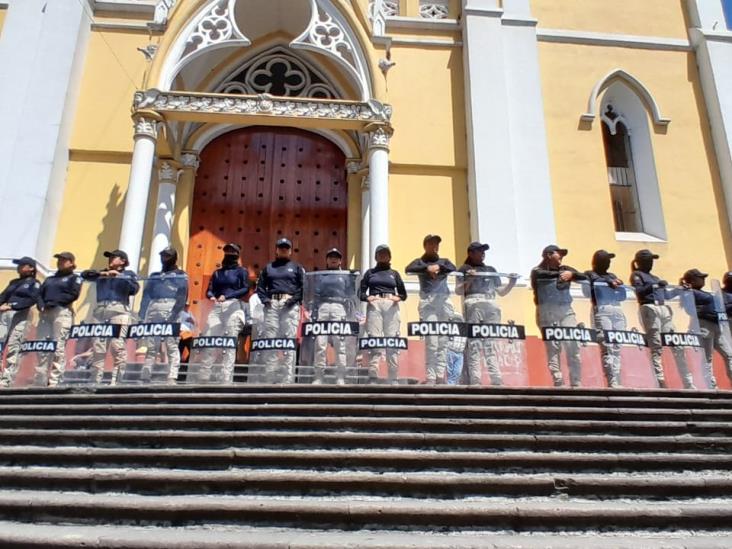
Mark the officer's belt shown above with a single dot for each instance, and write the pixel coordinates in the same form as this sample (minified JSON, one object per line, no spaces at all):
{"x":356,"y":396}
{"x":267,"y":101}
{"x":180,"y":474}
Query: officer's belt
{"x":280,"y":297}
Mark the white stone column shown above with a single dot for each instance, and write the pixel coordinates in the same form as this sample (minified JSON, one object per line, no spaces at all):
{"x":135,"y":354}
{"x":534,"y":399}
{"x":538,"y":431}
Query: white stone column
{"x":143,"y":158}
{"x":378,"y":188}
{"x":509,"y":185}
{"x":168,"y":176}
{"x":713,"y":45}
{"x":366,"y":257}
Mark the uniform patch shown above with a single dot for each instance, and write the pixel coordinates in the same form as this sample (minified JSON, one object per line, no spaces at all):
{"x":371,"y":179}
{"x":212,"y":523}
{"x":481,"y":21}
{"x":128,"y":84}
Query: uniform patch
{"x":331,"y":327}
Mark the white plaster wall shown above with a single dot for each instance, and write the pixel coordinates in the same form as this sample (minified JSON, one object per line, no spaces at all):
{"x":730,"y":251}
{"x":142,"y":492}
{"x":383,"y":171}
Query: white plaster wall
{"x":41,"y":51}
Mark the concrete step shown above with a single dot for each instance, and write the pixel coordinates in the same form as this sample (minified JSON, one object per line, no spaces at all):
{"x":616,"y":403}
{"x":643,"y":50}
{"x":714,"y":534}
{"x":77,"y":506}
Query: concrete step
{"x":546,"y":514}
{"x":446,"y":485}
{"x":362,"y":459}
{"x":381,"y":395}
{"x":368,"y":412}
{"x":136,"y":438}
{"x":203,"y":422}
{"x":212,"y":536}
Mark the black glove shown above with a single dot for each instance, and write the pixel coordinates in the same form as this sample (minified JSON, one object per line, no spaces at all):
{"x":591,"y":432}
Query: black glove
{"x":662,"y":283}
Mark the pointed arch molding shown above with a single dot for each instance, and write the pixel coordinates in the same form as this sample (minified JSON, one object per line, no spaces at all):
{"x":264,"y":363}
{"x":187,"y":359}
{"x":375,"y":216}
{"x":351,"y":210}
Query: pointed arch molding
{"x":214,"y":26}
{"x":634,"y":84}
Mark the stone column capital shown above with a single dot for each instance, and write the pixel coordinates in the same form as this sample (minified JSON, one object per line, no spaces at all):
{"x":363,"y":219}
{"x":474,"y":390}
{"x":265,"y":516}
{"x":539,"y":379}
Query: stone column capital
{"x":365,"y":184}
{"x":379,"y":137}
{"x":190,"y":160}
{"x":169,"y":171}
{"x":146,"y":124}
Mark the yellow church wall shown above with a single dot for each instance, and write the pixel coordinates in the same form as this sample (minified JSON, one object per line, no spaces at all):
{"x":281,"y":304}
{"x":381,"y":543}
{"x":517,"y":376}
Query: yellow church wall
{"x":426,"y":90}
{"x":692,"y":200}
{"x":91,"y":215}
{"x":665,"y":18}
{"x":113,"y":71}
{"x":427,"y":201}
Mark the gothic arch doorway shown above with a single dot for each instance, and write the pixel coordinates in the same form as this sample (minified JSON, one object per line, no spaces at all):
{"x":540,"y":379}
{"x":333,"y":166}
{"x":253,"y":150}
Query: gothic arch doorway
{"x":257,"y":184}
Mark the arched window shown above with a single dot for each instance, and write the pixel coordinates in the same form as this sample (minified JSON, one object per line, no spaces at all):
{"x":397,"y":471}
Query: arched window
{"x":620,"y":173}
{"x":631,"y":168}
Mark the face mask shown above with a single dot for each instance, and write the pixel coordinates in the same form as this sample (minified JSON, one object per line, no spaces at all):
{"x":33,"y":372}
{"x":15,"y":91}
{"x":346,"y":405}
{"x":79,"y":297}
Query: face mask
{"x":169,"y":263}
{"x":230,"y":260}
{"x":602,"y":265}
{"x":645,"y":265}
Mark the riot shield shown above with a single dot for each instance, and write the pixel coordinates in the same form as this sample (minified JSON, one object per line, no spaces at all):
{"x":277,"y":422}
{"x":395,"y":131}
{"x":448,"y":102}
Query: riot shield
{"x":97,"y":350}
{"x":22,"y":348}
{"x":674,"y":340}
{"x":433,"y":323}
{"x":154,"y":331}
{"x":495,"y":353}
{"x":717,"y":336}
{"x":624,"y":360}
{"x":275,"y":342}
{"x":219,"y":334}
{"x":330,"y":329}
{"x":564,"y":317}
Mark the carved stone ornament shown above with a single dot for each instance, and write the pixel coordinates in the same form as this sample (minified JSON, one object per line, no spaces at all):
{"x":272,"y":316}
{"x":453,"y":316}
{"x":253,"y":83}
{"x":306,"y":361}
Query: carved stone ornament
{"x":279,"y":73}
{"x":379,"y":138}
{"x":146,"y":126}
{"x":353,"y":166}
{"x":162,"y":9}
{"x":379,"y":10}
{"x":167,"y":173}
{"x":190,"y":160}
{"x":327,"y":33}
{"x":433,"y":9}
{"x":263,"y":104}
{"x":215,"y":27}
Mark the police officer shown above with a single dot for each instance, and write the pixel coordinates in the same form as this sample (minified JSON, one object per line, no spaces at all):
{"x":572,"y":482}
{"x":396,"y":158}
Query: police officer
{"x":551,"y":281}
{"x":227,"y":288}
{"x":434,"y":303}
{"x":163,"y":299}
{"x":711,"y":331}
{"x":280,"y":288}
{"x":606,"y":292}
{"x":727,"y":296}
{"x":57,"y":296}
{"x":115,"y":285}
{"x":382,"y":288}
{"x":333,"y":295}
{"x":16,"y":300}
{"x":479,"y":290}
{"x":656,"y":316}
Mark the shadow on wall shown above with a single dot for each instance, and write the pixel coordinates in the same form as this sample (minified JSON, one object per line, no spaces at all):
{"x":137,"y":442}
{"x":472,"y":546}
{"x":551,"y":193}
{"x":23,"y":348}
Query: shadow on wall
{"x":108,"y":238}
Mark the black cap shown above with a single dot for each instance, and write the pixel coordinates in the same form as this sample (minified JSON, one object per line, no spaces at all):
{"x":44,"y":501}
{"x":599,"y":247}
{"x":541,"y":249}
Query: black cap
{"x":603,"y":254}
{"x":65,"y":255}
{"x":693,"y":273}
{"x":25,"y":260}
{"x":283,"y":243}
{"x":551,"y":248}
{"x":169,"y":251}
{"x":645,"y":254}
{"x":475,"y":246}
{"x":431,"y":237}
{"x":382,"y":248}
{"x":334,"y":252}
{"x":118,"y":253}
{"x":233,"y":247}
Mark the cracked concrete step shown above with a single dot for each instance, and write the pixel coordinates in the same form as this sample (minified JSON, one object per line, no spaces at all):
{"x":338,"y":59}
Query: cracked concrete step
{"x":324,"y":439}
{"x":397,"y":396}
{"x":45,"y":536}
{"x":385,"y":460}
{"x":445,"y":485}
{"x":518,"y":515}
{"x":364,"y":424}
{"x":367,"y":412}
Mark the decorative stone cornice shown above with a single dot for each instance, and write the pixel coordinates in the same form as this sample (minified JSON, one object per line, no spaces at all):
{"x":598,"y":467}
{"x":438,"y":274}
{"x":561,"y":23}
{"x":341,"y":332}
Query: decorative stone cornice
{"x":146,"y":124}
{"x":353,"y":166}
{"x":191,"y":106}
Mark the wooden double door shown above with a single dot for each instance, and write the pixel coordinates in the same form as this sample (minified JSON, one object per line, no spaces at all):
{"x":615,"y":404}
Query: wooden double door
{"x":258,"y":184}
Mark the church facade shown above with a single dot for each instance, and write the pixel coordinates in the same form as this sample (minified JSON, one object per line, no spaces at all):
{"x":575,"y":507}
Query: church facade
{"x":350,"y":124}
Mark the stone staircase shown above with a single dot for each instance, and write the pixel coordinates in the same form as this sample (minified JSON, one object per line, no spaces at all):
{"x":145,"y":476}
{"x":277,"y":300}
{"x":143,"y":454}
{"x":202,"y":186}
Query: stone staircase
{"x":364,"y":466}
